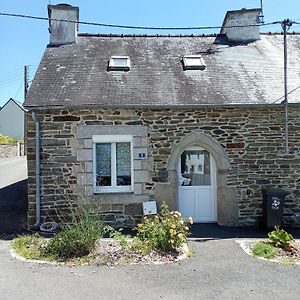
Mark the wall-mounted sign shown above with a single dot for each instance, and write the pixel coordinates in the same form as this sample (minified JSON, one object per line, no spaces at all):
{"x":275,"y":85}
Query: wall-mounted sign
{"x":142,"y":155}
{"x":149,"y":208}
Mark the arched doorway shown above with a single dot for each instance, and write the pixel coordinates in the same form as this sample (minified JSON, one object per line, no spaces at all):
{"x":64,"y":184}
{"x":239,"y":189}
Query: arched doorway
{"x":197,"y":185}
{"x":226,"y":206}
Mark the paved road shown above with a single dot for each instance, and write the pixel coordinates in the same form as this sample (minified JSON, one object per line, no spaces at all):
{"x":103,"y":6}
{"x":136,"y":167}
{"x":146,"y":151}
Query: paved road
{"x":12,"y":169}
{"x":219,"y":269}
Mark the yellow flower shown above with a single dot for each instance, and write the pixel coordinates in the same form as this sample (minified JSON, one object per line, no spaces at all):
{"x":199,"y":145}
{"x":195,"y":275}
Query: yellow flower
{"x":173,"y":226}
{"x":190,"y":220}
{"x":181,"y":222}
{"x":180,"y":236}
{"x":178,"y":213}
{"x":172,"y":241}
{"x":186,"y":228}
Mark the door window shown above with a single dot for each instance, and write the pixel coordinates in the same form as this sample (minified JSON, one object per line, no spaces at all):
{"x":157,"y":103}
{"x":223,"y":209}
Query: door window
{"x":195,"y":168}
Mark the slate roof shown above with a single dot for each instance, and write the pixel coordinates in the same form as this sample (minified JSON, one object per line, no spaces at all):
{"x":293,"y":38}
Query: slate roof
{"x":77,"y":75}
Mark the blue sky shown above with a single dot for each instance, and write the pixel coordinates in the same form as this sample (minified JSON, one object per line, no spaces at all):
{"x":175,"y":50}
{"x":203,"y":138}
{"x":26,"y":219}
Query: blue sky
{"x":23,"y":40}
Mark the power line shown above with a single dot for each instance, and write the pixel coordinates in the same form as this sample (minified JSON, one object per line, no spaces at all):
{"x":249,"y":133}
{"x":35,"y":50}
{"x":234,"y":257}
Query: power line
{"x":290,"y":92}
{"x":10,"y":74}
{"x":135,"y":27}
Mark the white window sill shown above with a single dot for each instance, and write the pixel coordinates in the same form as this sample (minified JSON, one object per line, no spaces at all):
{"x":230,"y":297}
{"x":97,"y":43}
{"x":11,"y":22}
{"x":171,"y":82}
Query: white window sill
{"x":113,"y":190}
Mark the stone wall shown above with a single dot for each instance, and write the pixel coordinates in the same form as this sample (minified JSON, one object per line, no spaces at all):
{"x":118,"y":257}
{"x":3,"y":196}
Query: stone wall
{"x":8,"y":150}
{"x":252,"y":138}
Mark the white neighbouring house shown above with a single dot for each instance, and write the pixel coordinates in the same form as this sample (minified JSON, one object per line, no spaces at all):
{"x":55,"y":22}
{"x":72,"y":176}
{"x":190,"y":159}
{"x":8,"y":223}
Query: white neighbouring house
{"x":12,"y":119}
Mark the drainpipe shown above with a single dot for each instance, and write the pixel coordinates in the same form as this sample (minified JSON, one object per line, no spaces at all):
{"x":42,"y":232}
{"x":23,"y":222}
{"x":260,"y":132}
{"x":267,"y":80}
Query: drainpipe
{"x":37,"y":173}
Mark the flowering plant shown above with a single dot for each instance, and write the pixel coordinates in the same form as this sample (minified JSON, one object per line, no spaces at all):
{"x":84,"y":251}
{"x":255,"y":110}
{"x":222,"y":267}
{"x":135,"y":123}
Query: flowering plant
{"x":165,"y":231}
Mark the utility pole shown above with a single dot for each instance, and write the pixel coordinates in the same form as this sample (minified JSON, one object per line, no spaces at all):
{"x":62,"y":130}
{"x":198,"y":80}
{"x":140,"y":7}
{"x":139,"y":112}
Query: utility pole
{"x":25,"y":81}
{"x":26,"y":85}
{"x":286,"y":24}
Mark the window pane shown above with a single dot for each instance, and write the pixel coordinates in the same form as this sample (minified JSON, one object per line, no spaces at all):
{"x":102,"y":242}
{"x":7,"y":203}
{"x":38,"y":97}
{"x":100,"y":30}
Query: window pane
{"x":103,"y":164}
{"x":123,"y":160}
{"x":195,"y":168}
{"x":120,"y":62}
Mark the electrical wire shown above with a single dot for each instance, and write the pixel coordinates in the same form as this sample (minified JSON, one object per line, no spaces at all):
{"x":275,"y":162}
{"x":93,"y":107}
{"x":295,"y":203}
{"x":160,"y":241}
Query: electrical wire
{"x":290,"y":92}
{"x":10,"y":76}
{"x":136,"y":27}
{"x":18,"y":91}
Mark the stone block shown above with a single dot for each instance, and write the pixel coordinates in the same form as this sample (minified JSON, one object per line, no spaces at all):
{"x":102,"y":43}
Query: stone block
{"x":84,"y":154}
{"x":136,"y":141}
{"x":137,"y":164}
{"x":227,"y":206}
{"x":166,"y":192}
{"x":138,"y":188}
{"x":138,"y":150}
{"x":88,"y":167}
{"x":88,"y":143}
{"x":133,"y":209}
{"x":141,"y":176}
{"x":87,"y":131}
{"x":85,"y":179}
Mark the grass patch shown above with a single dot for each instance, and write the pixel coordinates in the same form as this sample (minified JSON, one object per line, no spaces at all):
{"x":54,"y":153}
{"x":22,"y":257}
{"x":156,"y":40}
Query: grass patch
{"x":264,"y":250}
{"x":30,"y":247}
{"x":288,"y":261}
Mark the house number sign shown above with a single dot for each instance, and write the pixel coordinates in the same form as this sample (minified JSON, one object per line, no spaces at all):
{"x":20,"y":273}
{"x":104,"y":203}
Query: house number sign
{"x":142,"y":155}
{"x":275,"y":203}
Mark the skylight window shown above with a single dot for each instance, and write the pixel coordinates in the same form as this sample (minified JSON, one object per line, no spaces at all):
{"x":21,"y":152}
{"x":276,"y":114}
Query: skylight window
{"x":193,"y":62}
{"x":121,"y":63}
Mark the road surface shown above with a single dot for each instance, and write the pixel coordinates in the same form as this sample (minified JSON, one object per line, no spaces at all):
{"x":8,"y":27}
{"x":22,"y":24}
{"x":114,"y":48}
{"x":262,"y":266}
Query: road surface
{"x":12,"y":170}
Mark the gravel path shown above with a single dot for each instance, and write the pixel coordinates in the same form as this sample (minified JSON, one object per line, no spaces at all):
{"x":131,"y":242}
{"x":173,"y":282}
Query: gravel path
{"x":219,"y":269}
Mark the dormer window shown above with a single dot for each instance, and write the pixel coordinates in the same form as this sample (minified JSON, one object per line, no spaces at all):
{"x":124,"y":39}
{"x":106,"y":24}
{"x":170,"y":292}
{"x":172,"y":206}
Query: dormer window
{"x":119,"y":63}
{"x":193,"y":62}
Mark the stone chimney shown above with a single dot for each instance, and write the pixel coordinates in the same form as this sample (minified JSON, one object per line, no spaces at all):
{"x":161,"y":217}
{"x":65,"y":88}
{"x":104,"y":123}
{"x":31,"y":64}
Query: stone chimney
{"x":63,"y":32}
{"x":243,"y":17}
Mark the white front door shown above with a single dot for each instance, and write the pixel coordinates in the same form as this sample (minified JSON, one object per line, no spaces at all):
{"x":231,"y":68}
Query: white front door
{"x":197,"y":185}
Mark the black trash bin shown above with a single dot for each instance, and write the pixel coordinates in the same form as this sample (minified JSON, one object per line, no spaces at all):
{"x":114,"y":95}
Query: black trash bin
{"x":273,"y":203}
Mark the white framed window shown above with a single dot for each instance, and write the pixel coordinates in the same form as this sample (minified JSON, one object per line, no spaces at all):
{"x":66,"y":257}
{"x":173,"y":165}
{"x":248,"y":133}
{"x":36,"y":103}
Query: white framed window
{"x":119,"y":63}
{"x":112,"y":163}
{"x":193,"y":62}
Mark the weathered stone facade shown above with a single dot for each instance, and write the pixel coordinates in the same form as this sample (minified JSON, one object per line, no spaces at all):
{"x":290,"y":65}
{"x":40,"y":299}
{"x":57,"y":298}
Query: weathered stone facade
{"x":252,"y":139}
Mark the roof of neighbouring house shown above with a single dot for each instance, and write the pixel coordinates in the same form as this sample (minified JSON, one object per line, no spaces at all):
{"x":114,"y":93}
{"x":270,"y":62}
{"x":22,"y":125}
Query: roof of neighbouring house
{"x":77,"y":75}
{"x":16,"y":102}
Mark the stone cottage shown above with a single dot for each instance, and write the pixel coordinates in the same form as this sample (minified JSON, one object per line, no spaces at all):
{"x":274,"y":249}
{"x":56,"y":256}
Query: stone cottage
{"x":193,"y":120}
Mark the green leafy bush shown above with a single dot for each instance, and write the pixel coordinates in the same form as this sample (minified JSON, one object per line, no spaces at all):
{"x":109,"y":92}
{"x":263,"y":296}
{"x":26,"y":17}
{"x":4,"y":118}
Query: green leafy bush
{"x":79,"y":237}
{"x":7,"y":140}
{"x":165,"y":231}
{"x":280,"y":238}
{"x":264,"y":250}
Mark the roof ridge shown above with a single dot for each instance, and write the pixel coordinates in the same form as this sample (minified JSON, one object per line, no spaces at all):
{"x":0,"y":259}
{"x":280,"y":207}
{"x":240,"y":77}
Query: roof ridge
{"x":83,"y":34}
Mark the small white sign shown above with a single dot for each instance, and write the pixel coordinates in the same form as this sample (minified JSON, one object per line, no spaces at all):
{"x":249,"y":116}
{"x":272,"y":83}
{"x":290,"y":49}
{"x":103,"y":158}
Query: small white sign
{"x":149,"y":208}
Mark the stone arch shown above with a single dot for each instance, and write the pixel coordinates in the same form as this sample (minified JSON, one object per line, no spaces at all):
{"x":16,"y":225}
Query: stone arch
{"x":226,"y":197}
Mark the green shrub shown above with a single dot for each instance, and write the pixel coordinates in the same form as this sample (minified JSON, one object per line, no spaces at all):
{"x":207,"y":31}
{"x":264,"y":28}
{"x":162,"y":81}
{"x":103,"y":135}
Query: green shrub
{"x":139,"y":246}
{"x":71,"y":243}
{"x":265,"y":250}
{"x":165,"y":231}
{"x":7,"y":140}
{"x":118,"y":236}
{"x":280,"y":238}
{"x":77,"y":238}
